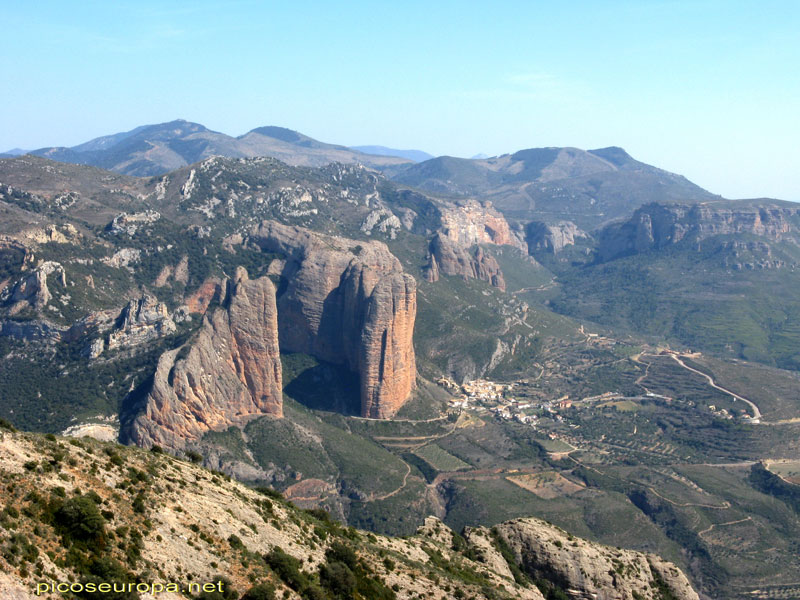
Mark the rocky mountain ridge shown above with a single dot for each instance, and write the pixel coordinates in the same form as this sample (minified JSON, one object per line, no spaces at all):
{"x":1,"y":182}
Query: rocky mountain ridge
{"x":587,"y":187}
{"x":134,"y":516}
{"x":156,"y":149}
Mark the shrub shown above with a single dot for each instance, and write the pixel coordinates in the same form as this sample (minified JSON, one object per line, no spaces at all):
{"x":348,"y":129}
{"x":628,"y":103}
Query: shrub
{"x":261,"y":591}
{"x":337,"y":578}
{"x":235,"y":542}
{"x":193,"y":456}
{"x":79,"y":518}
{"x":287,"y":567}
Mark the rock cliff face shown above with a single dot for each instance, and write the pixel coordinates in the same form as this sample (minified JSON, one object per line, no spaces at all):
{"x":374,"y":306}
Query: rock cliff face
{"x":552,"y":238}
{"x":658,"y":225}
{"x":448,"y":258}
{"x":590,"y":570}
{"x":473,"y":223}
{"x":229,"y":374}
{"x":349,"y":303}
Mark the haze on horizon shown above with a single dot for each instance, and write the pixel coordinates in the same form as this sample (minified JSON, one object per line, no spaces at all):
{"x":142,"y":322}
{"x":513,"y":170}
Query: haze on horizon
{"x":708,"y":89}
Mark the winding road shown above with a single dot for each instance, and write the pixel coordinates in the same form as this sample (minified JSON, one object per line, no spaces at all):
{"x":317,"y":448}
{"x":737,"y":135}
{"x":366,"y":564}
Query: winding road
{"x":756,"y":413}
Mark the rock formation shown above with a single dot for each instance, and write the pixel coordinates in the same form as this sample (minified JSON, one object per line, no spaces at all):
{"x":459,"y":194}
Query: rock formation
{"x":472,"y":222}
{"x":448,"y":258}
{"x":228,"y":374}
{"x":141,"y":321}
{"x":659,"y":225}
{"x":588,"y":570}
{"x":32,"y":290}
{"x":552,"y":238}
{"x":347,"y":302}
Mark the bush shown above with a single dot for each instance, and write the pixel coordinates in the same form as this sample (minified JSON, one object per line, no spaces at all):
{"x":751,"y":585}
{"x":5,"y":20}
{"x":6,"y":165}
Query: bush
{"x":79,"y":518}
{"x":235,"y":541}
{"x":269,"y":492}
{"x":337,"y":578}
{"x":261,"y":591}
{"x":338,"y":552}
{"x":287,"y":567}
{"x":193,"y":456}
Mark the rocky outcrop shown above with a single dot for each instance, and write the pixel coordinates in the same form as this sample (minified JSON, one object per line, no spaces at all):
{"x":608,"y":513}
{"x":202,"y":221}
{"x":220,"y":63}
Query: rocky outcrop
{"x":448,"y":258}
{"x":130,"y":223}
{"x":32,"y":290}
{"x":471,"y":222}
{"x":347,"y":302}
{"x":589,"y":570}
{"x":551,"y":238}
{"x":228,"y":374}
{"x":141,"y":321}
{"x":659,"y":225}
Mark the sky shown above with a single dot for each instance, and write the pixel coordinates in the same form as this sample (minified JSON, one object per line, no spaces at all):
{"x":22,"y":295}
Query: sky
{"x":708,"y":89}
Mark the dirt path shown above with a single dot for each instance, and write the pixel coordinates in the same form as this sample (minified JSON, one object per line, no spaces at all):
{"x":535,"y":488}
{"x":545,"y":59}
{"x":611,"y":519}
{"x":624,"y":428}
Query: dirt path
{"x":700,"y":533}
{"x":398,"y":490}
{"x":725,"y":504}
{"x":712,"y":383}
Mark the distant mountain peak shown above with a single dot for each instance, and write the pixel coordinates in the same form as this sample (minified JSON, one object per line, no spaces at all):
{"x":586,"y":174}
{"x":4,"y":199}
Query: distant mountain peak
{"x":280,"y":133}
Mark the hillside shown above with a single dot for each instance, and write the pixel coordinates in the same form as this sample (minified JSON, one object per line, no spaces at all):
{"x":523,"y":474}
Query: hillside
{"x":82,"y":512}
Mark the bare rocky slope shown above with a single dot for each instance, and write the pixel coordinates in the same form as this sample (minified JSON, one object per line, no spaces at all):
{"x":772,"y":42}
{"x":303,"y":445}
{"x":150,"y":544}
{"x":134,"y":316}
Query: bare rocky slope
{"x":80,"y":511}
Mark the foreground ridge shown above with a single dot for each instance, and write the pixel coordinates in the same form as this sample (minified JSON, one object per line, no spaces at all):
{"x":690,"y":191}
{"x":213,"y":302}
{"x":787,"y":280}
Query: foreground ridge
{"x":103,"y":512}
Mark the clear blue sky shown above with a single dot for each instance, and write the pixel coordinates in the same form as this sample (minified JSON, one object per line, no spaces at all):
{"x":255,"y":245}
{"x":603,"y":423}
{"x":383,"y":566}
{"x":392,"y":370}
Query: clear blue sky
{"x":709,"y":89}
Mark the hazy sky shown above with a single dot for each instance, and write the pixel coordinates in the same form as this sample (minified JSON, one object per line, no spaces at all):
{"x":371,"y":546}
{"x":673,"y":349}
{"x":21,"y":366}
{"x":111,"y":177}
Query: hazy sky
{"x":708,"y":89}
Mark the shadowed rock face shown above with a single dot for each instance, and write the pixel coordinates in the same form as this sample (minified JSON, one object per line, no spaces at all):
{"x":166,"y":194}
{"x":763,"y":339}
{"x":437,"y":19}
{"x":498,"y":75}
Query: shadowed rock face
{"x":229,"y":374}
{"x":448,"y":258}
{"x":347,"y":302}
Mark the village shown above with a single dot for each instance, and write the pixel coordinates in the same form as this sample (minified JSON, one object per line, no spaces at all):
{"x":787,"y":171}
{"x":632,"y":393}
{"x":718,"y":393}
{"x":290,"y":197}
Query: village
{"x":482,"y":396}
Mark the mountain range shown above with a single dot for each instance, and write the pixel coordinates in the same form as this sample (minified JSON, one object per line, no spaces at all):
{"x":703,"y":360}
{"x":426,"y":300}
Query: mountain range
{"x":155,"y":149}
{"x":587,"y":187}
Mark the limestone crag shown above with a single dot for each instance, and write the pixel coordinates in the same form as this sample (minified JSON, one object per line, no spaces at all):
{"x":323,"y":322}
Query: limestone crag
{"x":471,"y":222}
{"x":347,"y":302}
{"x":552,"y":238}
{"x":142,"y":320}
{"x":228,"y":374}
{"x":590,"y":570}
{"x":448,"y":258}
{"x":659,"y":225}
{"x":32,"y":290}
